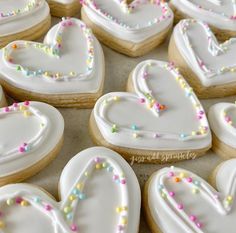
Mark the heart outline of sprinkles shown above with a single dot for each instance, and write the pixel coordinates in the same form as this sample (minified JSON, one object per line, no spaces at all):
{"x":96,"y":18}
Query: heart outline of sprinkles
{"x":62,"y":213}
{"x":129,"y":9}
{"x":217,"y":3}
{"x":27,"y":111}
{"x":223,"y":203}
{"x":144,"y":96}
{"x":30,"y":7}
{"x":227,"y":119}
{"x":53,"y":50}
{"x":214,"y":48}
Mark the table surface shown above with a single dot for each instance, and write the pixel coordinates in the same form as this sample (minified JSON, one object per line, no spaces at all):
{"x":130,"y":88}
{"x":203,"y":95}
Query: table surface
{"x":77,"y":137}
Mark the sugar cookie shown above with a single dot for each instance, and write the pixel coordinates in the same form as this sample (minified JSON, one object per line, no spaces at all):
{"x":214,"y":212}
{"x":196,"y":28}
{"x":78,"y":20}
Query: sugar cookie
{"x":130,"y":28}
{"x":67,"y":70}
{"x":161,"y":121}
{"x":31,"y":135}
{"x":23,"y":20}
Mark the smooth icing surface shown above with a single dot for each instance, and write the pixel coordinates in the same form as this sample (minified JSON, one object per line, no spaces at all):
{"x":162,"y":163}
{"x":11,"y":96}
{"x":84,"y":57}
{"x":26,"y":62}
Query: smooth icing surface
{"x":94,"y":177}
{"x":212,"y":62}
{"x":20,"y":149}
{"x":218,"y":13}
{"x":222,"y":118}
{"x":19,"y":15}
{"x":133,"y":22}
{"x":162,"y":114}
{"x":70,"y":61}
{"x":182,"y":202}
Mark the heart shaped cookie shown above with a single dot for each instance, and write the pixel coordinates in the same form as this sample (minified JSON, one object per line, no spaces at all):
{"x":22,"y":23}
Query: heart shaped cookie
{"x":209,"y":67}
{"x":222,"y":118}
{"x":176,"y":200}
{"x":24,"y":152}
{"x":219,"y":14}
{"x":66,"y":70}
{"x":161,"y":121}
{"x":23,"y":19}
{"x":96,"y":177}
{"x":2,"y":98}
{"x":62,"y":8}
{"x":130,"y":28}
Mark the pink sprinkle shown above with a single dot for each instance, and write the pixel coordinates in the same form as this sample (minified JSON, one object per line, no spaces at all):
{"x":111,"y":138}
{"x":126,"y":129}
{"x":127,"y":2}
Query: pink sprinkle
{"x":26,"y":103}
{"x":199,"y":225}
{"x":123,"y":181}
{"x":97,"y":160}
{"x":180,"y":206}
{"x":21,"y":149}
{"x":189,"y":179}
{"x":193,"y":218}
{"x":142,"y":100}
{"x":73,"y":227}
{"x":48,"y":207}
{"x":171,"y":174}
{"x":15,"y":105}
{"x":115,"y":177}
{"x":171,"y":194}
{"x":19,"y":200}
{"x":6,"y":109}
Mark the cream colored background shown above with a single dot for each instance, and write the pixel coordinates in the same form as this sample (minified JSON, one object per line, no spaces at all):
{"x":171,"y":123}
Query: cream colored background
{"x":77,"y":136}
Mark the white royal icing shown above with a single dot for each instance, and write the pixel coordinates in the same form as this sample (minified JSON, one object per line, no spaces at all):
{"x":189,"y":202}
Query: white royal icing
{"x":191,"y":205}
{"x":21,"y":148}
{"x":19,"y":15}
{"x":94,"y":177}
{"x":212,"y":62}
{"x":222,"y":118}
{"x":136,"y":120}
{"x":70,"y":61}
{"x":218,"y":13}
{"x":133,"y":22}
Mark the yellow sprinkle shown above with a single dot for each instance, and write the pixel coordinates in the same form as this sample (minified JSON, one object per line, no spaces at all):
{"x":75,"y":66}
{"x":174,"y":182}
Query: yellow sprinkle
{"x":86,"y":174}
{"x":98,"y":166}
{"x":135,"y":135}
{"x":67,"y":209}
{"x":2,"y":225}
{"x":182,"y":175}
{"x":116,"y":98}
{"x":229,"y":199}
{"x":24,"y":203}
{"x":80,"y":186}
{"x":118,"y":209}
{"x":72,"y":197}
{"x":10,"y":202}
{"x":124,"y":220}
{"x":194,"y":133}
{"x":27,"y":113}
{"x":22,"y":108}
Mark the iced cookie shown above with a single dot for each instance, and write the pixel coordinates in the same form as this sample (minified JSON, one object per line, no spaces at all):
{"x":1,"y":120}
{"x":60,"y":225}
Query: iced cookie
{"x":99,"y":192}
{"x":160,"y":119}
{"x":61,"y":8}
{"x":31,"y":135}
{"x":23,"y":19}
{"x":177,"y":200}
{"x":219,"y":14}
{"x":3,"y":101}
{"x":208,"y":66}
{"x":130,"y":28}
{"x":67,"y":70}
{"x":222,"y":119}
